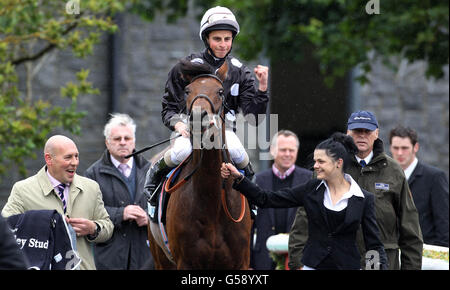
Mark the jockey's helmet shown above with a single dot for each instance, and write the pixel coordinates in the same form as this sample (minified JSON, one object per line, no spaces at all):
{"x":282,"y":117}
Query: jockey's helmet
{"x":218,"y":18}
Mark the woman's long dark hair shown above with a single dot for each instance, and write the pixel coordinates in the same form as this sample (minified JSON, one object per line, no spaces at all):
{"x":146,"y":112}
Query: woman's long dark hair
{"x":338,"y":146}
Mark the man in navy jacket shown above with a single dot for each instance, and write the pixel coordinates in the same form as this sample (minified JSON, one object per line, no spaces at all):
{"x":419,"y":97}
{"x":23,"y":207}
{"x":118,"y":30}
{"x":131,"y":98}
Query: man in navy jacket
{"x":283,"y":173}
{"x":428,"y":184}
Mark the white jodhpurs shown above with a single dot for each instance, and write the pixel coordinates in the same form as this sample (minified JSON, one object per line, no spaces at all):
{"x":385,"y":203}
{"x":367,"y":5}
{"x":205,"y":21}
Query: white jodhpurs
{"x":182,"y":148}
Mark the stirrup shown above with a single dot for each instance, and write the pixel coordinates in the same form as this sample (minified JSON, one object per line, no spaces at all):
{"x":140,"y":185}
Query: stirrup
{"x":152,"y":199}
{"x":153,"y":179}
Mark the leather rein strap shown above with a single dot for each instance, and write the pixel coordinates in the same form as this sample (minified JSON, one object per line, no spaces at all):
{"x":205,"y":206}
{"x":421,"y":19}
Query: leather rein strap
{"x":226,"y":158}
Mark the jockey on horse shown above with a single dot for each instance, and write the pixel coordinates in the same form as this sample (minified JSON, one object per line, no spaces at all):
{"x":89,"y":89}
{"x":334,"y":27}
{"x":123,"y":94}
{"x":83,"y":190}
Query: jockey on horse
{"x":218,"y":28}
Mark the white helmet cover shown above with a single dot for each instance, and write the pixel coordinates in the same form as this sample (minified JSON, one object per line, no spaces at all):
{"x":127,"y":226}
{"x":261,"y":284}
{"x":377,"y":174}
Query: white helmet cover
{"x":218,"y":16}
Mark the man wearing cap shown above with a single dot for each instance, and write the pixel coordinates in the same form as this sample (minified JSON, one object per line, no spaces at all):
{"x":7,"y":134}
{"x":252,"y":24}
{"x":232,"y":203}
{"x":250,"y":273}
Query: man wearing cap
{"x":396,"y":213}
{"x":218,"y":28}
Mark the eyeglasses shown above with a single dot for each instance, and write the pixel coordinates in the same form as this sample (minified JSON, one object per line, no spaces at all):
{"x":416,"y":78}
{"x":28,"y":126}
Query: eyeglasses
{"x":120,"y":138}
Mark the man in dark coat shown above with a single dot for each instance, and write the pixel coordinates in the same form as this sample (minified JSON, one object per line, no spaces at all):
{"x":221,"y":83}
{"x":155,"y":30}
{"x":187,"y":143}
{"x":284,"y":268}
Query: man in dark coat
{"x":428,"y":184}
{"x":122,"y":181}
{"x":273,"y":221}
{"x":396,"y":213}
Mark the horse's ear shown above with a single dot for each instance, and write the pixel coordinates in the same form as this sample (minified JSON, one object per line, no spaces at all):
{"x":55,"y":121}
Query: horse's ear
{"x":186,"y":77}
{"x":185,"y":69}
{"x":222,"y":72}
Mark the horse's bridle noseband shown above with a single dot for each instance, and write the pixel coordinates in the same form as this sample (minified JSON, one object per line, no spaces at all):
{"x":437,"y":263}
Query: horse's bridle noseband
{"x":203,"y":96}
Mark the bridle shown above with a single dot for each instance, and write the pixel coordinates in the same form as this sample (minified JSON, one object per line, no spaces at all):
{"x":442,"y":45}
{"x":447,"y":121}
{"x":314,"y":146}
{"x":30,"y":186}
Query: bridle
{"x":224,"y":150}
{"x":203,"y":96}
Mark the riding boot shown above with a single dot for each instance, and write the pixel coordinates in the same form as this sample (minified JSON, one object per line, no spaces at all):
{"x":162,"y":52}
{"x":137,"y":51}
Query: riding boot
{"x":153,"y":178}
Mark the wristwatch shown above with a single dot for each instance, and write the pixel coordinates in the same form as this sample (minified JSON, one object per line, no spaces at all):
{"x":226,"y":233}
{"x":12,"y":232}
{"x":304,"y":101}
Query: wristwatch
{"x":95,"y":234}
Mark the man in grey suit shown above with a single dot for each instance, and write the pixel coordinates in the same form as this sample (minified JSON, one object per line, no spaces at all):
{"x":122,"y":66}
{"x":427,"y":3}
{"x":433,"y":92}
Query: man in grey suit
{"x":283,"y":173}
{"x":428,"y":184}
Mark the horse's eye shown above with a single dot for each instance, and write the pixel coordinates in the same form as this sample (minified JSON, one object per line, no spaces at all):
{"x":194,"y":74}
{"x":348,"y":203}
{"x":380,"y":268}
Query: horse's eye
{"x":221,"y":92}
{"x":186,"y":91}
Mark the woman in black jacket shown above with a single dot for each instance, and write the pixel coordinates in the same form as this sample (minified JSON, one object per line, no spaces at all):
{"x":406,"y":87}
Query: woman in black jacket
{"x":336,"y":207}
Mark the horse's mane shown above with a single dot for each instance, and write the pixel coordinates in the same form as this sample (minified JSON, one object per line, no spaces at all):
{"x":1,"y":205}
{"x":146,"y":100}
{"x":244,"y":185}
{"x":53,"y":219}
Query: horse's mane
{"x":191,"y":69}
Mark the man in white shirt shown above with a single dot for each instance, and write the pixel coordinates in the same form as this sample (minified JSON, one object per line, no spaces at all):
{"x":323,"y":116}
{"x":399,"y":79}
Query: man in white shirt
{"x":271,"y":221}
{"x":429,"y":186}
{"x":122,"y":180}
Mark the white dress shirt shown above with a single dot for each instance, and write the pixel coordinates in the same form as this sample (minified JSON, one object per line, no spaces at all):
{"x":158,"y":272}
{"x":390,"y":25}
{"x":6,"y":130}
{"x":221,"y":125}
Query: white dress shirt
{"x":408,"y":171}
{"x":354,"y":190}
{"x":367,"y":159}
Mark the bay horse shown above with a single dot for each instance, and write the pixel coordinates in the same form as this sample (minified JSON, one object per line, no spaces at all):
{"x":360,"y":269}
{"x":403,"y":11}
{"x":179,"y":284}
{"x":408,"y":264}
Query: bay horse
{"x":208,"y":223}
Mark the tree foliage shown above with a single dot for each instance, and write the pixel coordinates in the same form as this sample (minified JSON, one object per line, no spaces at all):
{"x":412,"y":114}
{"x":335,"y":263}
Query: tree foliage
{"x":29,"y":31}
{"x":343,"y":33}
{"x":173,"y":9}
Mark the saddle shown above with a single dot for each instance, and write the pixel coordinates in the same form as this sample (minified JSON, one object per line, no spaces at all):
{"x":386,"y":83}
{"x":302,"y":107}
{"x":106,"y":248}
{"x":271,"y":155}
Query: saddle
{"x":157,"y":213}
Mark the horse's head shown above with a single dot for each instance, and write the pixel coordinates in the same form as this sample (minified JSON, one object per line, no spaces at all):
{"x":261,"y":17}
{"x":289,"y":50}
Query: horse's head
{"x":204,"y":99}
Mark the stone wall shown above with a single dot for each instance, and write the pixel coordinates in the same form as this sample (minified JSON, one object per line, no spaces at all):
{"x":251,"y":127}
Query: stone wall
{"x":147,"y":53}
{"x":408,"y":98}
{"x":149,"y":50}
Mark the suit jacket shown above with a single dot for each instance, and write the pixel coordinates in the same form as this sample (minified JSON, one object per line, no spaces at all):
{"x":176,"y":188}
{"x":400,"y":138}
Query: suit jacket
{"x":429,"y":187}
{"x":85,"y":201}
{"x":322,"y":241}
{"x":264,"y":224}
{"x":127,"y":249}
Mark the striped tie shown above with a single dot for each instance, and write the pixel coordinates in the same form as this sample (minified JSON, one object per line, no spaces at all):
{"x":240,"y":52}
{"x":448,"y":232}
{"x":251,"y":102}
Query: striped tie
{"x":61,"y":188}
{"x":363,"y":163}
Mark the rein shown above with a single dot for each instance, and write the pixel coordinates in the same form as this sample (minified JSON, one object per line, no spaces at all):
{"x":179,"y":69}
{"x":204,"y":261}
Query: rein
{"x":185,"y":179}
{"x":226,"y":158}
